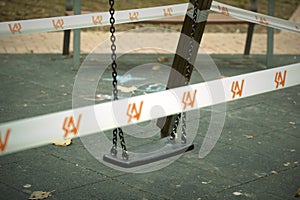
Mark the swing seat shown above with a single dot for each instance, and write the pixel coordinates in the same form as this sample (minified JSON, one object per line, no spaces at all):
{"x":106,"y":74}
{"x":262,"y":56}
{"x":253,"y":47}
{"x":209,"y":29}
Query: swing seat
{"x":146,"y":154}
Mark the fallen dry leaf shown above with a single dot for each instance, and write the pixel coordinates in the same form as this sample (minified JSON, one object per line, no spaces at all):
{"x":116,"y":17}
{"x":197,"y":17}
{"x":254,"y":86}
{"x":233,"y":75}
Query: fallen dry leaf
{"x":126,"y":89}
{"x":102,"y":97}
{"x":298,"y":193}
{"x":237,"y":193}
{"x":162,"y":59}
{"x":27,"y":186}
{"x":257,"y":175}
{"x":249,"y":136}
{"x":36,"y":195}
{"x":65,"y":142}
{"x":155,"y":68}
{"x":206,"y":182}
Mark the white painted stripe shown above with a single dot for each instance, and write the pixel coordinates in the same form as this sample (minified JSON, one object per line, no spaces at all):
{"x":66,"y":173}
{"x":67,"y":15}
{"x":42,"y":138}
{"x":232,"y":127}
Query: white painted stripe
{"x":33,"y":132}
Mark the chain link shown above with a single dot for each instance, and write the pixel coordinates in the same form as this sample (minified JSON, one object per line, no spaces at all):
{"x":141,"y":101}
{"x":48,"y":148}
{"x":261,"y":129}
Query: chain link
{"x":113,"y":49}
{"x":175,"y":126}
{"x":186,"y":81}
{"x":115,"y":83}
{"x":113,"y":150}
{"x":183,"y":128}
{"x":123,"y":145}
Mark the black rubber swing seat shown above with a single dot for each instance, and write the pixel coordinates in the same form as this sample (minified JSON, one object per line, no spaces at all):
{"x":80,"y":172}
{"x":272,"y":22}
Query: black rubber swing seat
{"x":150,"y":153}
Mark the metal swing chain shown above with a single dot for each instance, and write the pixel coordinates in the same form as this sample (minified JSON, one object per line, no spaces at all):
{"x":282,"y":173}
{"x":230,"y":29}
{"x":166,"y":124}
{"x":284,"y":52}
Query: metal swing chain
{"x":186,"y":81}
{"x":115,"y":83}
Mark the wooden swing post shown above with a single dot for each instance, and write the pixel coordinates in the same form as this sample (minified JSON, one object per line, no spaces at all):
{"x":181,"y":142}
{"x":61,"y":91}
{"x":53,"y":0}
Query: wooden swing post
{"x":177,"y":74}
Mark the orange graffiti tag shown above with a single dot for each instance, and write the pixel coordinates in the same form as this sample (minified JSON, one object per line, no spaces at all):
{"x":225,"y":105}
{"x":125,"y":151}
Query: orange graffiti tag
{"x":69,"y":125}
{"x":223,"y":10}
{"x":189,"y":9}
{"x":16,"y":28}
{"x":58,"y":24}
{"x":279,"y":79}
{"x":168,"y":12}
{"x":237,"y":89}
{"x":3,"y":144}
{"x":133,"y":16}
{"x":262,"y":20}
{"x":188,"y":99}
{"x":133,"y":112}
{"x":97,"y":19}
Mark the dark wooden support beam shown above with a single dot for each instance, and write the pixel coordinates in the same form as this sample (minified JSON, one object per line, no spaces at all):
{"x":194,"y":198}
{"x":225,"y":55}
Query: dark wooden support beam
{"x":250,"y":29}
{"x":67,"y":33}
{"x":177,"y":74}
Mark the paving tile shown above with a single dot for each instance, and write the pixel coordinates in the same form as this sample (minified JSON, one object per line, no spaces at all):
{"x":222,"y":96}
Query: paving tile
{"x":242,"y":165}
{"x":178,"y":181}
{"x":110,"y":189}
{"x":261,"y":114}
{"x":283,"y":185}
{"x":47,"y":173}
{"x":12,"y":193}
{"x":22,"y":98}
{"x":286,"y":100}
{"x":78,"y":154}
{"x":30,"y":154}
{"x":234,"y":163}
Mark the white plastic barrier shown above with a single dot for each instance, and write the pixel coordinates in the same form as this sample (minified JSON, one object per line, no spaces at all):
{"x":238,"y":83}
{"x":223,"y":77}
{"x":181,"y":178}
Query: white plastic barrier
{"x":137,"y":15}
{"x":41,"y":130}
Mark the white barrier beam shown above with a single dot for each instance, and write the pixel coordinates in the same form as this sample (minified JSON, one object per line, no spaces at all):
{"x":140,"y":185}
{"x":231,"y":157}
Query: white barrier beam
{"x":136,"y":15}
{"x":255,"y":17}
{"x":33,"y":132}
